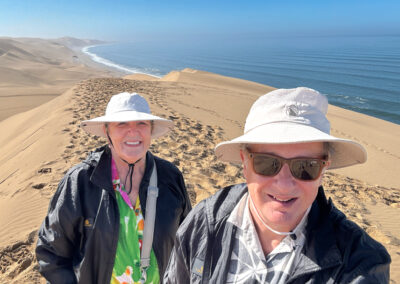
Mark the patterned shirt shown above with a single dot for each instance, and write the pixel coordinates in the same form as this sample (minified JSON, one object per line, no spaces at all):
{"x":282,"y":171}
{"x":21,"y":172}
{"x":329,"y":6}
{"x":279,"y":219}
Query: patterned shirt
{"x":248,"y":263}
{"x":127,"y":259}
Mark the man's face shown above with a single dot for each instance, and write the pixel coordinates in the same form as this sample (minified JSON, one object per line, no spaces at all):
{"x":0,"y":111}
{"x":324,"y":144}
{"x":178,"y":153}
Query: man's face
{"x":130,"y":140}
{"x":282,"y":200}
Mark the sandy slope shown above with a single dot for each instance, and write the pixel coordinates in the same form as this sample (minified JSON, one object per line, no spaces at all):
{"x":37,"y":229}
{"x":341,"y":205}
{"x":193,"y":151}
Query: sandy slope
{"x":33,"y":71}
{"x":41,"y":144}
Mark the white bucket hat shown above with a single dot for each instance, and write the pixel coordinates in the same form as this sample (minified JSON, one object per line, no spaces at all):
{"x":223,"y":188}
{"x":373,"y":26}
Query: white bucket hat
{"x":287,"y":116}
{"x":125,"y":107}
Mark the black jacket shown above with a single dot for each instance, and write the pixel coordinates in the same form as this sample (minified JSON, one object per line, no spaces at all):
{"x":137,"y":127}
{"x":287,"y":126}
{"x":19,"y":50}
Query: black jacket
{"x":78,"y":238}
{"x":336,"y":249}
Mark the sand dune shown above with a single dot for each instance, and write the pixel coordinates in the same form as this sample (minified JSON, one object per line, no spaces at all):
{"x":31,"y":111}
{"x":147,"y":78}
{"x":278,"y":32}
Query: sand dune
{"x":39,"y":145}
{"x":34,"y":71}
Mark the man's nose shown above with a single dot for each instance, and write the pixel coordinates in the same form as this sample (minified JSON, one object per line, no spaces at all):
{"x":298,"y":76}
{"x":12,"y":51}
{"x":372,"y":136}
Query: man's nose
{"x":285,"y":177}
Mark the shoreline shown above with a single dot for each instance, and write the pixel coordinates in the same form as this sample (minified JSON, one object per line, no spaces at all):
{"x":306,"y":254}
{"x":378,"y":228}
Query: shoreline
{"x":103,"y":67}
{"x":375,"y":99}
{"x":108,"y":63}
{"x":347,"y":119}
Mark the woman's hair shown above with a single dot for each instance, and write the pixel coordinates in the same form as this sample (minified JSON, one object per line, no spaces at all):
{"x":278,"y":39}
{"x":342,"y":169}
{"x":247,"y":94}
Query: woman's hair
{"x":151,"y":125}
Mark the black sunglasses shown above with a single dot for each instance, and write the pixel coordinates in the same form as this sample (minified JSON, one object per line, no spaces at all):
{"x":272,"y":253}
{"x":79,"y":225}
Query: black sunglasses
{"x":305,"y":169}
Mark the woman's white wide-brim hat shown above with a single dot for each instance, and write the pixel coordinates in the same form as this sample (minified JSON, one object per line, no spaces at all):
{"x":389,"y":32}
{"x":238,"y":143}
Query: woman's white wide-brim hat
{"x":126,"y":107}
{"x":288,"y":116}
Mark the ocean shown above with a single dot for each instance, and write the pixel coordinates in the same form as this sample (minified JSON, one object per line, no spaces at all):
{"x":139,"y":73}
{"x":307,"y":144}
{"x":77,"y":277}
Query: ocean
{"x":357,"y":73}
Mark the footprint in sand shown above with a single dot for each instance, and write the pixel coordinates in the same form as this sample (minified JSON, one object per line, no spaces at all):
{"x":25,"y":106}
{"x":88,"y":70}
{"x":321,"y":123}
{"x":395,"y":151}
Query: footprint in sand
{"x":44,"y":171}
{"x":18,"y":257}
{"x":39,"y":185}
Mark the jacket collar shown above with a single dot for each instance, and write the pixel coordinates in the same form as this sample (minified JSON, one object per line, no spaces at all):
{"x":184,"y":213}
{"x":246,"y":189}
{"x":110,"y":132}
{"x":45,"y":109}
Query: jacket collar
{"x":100,"y":159}
{"x":320,"y":250}
{"x":220,"y":205}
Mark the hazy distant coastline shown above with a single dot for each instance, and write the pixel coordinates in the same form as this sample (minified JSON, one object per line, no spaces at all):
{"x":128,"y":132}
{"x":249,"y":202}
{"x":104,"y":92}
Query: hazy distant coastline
{"x":108,"y":63}
{"x":357,"y":73}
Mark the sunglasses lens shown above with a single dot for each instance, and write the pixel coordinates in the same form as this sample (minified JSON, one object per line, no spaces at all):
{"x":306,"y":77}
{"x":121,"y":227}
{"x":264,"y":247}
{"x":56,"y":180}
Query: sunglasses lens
{"x":302,"y":169}
{"x":265,"y":165}
{"x":305,"y":169}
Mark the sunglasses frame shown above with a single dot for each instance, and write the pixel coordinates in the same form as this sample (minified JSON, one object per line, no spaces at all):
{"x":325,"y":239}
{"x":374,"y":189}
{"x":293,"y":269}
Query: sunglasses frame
{"x":321,"y":162}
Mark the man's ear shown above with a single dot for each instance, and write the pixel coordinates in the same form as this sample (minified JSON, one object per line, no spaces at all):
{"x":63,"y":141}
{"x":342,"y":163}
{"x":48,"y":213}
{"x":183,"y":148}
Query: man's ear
{"x":328,"y":163}
{"x":244,"y":163}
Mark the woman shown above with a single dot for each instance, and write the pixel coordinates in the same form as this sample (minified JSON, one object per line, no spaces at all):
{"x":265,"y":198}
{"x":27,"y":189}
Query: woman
{"x":93,"y":232}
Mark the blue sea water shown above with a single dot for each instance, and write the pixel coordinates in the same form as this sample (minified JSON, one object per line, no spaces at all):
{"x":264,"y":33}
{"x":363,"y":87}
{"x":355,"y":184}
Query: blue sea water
{"x":357,"y":73}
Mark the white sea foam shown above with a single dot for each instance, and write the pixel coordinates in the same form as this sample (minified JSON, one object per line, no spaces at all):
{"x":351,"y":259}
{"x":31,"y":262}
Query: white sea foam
{"x":109,"y":63}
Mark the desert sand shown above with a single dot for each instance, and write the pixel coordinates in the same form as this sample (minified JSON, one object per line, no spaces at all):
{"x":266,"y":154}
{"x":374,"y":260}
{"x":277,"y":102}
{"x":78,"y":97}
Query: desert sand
{"x":38,"y":146}
{"x":33,"y":71}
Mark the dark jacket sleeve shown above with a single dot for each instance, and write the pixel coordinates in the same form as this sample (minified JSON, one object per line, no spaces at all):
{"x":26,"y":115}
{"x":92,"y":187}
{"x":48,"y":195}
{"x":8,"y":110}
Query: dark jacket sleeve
{"x":193,"y":258}
{"x":178,"y":270}
{"x":187,"y":205}
{"x":367,"y":261}
{"x":189,"y":246}
{"x":173,"y":205}
{"x":58,"y":234}
{"x":377,"y":274}
{"x":374,"y":269}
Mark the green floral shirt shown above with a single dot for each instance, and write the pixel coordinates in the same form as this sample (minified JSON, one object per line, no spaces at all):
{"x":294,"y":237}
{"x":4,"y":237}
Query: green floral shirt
{"x":127,"y":260}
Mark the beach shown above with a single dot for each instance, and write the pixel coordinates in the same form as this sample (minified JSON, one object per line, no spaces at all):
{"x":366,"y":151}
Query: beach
{"x":43,"y":101}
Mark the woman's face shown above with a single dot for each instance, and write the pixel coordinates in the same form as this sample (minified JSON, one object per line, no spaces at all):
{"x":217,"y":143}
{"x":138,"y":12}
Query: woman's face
{"x":130,"y":140}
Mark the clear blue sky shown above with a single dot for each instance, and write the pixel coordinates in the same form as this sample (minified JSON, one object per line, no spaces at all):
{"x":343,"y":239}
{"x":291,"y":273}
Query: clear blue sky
{"x":127,"y":20}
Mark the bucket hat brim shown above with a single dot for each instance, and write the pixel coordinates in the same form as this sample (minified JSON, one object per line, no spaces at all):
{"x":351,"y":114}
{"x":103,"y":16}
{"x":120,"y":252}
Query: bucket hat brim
{"x":94,"y":126}
{"x":344,"y":152}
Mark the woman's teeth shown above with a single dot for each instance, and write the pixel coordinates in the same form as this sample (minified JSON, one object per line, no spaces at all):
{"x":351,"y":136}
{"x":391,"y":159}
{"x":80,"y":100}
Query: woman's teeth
{"x":133,"y":143}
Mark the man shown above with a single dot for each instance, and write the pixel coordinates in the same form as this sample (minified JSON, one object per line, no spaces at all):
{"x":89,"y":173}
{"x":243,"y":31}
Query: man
{"x":279,"y":227}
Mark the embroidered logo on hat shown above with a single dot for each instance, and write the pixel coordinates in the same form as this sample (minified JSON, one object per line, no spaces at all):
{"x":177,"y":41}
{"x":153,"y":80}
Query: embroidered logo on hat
{"x":292,"y":110}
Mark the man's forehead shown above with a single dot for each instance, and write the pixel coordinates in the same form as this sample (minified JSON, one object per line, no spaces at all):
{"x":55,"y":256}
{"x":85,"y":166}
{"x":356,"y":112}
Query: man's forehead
{"x":289,"y":150}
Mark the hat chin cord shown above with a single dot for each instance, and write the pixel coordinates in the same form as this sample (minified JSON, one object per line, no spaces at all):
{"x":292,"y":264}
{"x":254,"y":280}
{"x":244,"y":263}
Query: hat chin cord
{"x":130,"y":165}
{"x":262,"y":221}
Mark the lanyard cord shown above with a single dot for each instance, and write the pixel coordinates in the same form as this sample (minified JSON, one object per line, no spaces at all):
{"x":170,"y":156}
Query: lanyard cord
{"x":262,"y":221}
{"x":130,"y":165}
{"x":130,"y":174}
